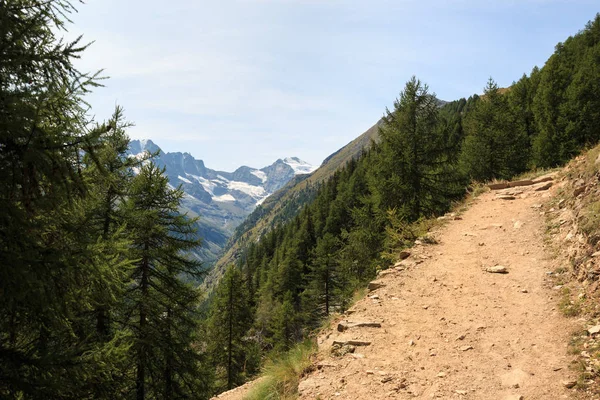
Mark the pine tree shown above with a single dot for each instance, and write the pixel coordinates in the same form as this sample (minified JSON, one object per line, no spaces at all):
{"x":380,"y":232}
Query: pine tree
{"x":325,"y":292}
{"x":412,"y":171}
{"x":496,"y":146}
{"x":51,"y":265}
{"x":161,"y":304}
{"x":285,"y":324}
{"x":229,"y":321}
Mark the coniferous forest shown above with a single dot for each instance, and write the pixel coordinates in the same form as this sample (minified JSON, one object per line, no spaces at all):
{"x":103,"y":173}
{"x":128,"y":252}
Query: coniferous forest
{"x":99,"y":299}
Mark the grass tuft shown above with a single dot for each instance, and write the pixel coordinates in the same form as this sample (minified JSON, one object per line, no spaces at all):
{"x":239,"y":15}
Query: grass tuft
{"x":283,"y":373}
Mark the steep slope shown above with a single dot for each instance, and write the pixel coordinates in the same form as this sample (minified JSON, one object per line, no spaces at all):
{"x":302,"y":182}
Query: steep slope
{"x":221,"y":199}
{"x":285,"y":203}
{"x":450,"y":329}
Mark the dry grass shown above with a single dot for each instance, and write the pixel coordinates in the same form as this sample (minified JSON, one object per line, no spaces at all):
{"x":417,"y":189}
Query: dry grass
{"x":282,"y":374}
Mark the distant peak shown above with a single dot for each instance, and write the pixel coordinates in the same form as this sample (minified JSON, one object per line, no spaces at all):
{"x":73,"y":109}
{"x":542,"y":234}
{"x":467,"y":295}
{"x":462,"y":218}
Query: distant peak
{"x":299,"y":166}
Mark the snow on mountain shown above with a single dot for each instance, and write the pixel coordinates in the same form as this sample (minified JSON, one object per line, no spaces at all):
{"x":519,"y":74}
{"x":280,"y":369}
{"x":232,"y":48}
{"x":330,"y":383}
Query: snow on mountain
{"x":260,"y":175}
{"x":299,"y":166}
{"x":221,"y":199}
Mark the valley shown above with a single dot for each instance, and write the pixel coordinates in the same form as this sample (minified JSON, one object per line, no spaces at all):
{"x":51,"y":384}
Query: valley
{"x":221,"y":200}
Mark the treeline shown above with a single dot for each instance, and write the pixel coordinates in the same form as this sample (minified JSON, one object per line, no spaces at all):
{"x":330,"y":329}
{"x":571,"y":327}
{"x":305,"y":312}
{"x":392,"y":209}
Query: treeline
{"x":309,"y":267}
{"x":94,"y":299}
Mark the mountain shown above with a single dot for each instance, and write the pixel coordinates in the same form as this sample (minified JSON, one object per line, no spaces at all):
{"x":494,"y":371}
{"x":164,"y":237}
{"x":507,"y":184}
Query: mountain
{"x":221,"y":199}
{"x":285,"y":203}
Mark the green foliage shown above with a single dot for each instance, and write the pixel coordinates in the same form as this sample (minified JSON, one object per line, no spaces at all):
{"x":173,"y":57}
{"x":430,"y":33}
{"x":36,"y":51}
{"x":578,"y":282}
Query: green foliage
{"x":229,"y":321}
{"x":566,"y":102}
{"x":412,"y":168}
{"x":160,"y":305}
{"x":282,"y":373}
{"x":496,"y":145}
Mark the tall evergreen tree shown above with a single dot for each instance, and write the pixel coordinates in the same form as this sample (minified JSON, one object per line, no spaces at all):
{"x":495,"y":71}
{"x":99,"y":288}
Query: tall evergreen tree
{"x":496,"y":146}
{"x":412,"y":171}
{"x":229,"y":321}
{"x":51,"y":265}
{"x":161,"y":304}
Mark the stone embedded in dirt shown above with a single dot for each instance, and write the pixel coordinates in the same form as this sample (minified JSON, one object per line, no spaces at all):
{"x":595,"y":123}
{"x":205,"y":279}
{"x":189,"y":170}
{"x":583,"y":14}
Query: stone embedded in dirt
{"x":343,"y":326}
{"x":386,"y":272}
{"x":524,"y":291}
{"x":517,"y":225}
{"x":514,"y":397}
{"x":497,"y":269}
{"x":350,"y":343}
{"x":411,"y":343}
{"x":386,"y":379}
{"x":596,"y":254}
{"x":461,"y":337}
{"x":404,"y":254}
{"x":541,"y":180}
{"x":579,"y":190}
{"x":441,"y":375}
{"x":374,"y":297}
{"x":526,"y":182}
{"x":569,"y":384}
{"x":498,"y":186}
{"x":594,"y":330}
{"x":374,"y":286}
{"x":461,"y":392}
{"x":323,"y":364}
{"x":543,"y":187}
{"x":466,"y":348}
{"x":505,"y":197}
{"x":357,"y":355}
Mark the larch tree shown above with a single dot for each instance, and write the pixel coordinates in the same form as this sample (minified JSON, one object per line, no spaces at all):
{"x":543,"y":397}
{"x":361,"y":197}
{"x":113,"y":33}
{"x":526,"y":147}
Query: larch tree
{"x":161,"y":305}
{"x":229,"y":321}
{"x":412,"y":169}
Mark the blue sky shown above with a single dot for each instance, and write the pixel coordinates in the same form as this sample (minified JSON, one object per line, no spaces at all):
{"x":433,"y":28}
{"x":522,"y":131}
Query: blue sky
{"x":244,"y":82}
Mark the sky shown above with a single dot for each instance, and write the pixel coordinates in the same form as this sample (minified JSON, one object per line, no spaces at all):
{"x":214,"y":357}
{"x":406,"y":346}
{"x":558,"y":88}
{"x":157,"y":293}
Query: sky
{"x":245,"y":82}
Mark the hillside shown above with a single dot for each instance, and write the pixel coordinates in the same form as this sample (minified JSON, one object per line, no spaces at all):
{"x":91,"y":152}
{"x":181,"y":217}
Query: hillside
{"x":439,"y":325}
{"x":221,"y":199}
{"x":286,"y":202}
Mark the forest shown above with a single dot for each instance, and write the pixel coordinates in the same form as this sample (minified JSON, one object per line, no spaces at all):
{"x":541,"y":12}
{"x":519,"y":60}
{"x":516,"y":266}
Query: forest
{"x":99,"y":297}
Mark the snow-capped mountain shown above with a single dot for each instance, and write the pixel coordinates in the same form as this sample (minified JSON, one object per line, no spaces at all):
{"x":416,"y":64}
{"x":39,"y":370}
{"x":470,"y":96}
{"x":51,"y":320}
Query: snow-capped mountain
{"x":221,"y":199}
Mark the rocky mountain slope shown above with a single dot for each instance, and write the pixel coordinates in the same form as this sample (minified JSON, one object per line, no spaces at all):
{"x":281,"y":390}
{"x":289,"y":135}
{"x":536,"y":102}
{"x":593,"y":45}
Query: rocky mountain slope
{"x":221,"y":199}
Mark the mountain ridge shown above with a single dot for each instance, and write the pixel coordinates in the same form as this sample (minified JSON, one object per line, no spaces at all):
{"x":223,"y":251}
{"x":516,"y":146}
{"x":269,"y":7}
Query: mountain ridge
{"x":221,"y":199}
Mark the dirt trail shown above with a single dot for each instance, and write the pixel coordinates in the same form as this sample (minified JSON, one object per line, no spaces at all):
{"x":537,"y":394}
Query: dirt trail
{"x":451,"y":330}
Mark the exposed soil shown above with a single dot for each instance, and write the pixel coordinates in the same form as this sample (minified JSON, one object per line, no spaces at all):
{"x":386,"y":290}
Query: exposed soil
{"x":449,"y":328}
{"x":452,"y":330}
